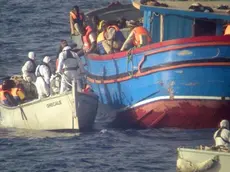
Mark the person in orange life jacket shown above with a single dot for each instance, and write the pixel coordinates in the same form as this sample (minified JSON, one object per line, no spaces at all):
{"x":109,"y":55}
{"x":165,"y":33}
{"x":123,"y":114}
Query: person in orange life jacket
{"x":114,"y":38}
{"x":138,"y":37}
{"x":43,"y":73}
{"x":88,"y":39}
{"x":76,"y":20}
{"x":6,"y":97}
{"x":29,"y":67}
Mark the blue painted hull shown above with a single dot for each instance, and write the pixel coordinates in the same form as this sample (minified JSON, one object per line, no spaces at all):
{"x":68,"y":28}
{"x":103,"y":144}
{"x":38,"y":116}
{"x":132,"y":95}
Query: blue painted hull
{"x":185,"y":71}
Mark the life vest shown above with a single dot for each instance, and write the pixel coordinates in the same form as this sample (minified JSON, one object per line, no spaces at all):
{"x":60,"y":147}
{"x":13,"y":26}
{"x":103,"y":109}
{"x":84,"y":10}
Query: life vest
{"x":85,"y":39}
{"x":38,"y":74}
{"x":218,"y":134}
{"x":69,"y":55}
{"x":76,"y":18}
{"x":33,"y":68}
{"x":3,"y":98}
{"x":17,"y":94}
{"x":100,"y":47}
{"x":118,"y":35}
{"x":138,"y":32}
{"x":0,"y":87}
{"x":227,"y":30}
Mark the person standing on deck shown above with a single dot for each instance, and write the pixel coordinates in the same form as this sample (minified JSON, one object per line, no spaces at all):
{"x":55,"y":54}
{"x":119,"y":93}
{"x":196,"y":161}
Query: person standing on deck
{"x":43,"y":73}
{"x":76,"y":21}
{"x":138,"y":37}
{"x":222,"y":135}
{"x":88,"y":39}
{"x":70,"y":68}
{"x":28,"y":68}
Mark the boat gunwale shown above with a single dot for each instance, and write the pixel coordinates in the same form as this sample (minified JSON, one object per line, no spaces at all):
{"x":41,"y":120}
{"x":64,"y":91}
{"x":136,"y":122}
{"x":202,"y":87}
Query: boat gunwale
{"x":35,"y":101}
{"x":200,"y":39}
{"x":181,"y":150}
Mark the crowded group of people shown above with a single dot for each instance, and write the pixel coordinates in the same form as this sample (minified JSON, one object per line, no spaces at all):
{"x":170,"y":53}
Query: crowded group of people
{"x":105,"y":37}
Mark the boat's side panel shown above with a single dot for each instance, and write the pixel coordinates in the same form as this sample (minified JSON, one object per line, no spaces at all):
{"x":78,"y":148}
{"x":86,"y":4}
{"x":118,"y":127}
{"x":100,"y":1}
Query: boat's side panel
{"x":199,"y":156}
{"x":48,"y":114}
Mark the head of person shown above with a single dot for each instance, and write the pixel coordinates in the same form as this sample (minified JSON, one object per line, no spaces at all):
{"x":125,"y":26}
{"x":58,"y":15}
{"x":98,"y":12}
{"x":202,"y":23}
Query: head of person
{"x":121,"y":22}
{"x":31,"y":55}
{"x":75,"y":9}
{"x":63,"y":43}
{"x":46,"y":59}
{"x":95,"y":20}
{"x":8,"y":84}
{"x":224,"y":124}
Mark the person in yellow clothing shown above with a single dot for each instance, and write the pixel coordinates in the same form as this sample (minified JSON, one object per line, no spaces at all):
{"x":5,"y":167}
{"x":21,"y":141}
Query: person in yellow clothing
{"x":138,"y":37}
{"x":227,"y":30}
{"x":18,"y":94}
{"x":101,"y":37}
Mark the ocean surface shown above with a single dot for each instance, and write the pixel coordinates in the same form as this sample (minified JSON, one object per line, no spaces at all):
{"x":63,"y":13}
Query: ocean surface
{"x":39,"y":25}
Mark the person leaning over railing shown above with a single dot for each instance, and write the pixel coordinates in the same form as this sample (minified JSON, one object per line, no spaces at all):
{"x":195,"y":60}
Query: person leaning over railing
{"x":138,"y":37}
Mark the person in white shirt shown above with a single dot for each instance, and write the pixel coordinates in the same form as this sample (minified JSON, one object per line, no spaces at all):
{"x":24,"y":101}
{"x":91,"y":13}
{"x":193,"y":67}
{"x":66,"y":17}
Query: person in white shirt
{"x":28,"y":68}
{"x":43,"y":74}
{"x":222,"y":135}
{"x":70,"y":68}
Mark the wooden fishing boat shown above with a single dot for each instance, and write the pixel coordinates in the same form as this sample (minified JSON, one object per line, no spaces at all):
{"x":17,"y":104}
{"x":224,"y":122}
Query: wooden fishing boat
{"x":72,"y":111}
{"x":180,"y":80}
{"x":211,"y":160}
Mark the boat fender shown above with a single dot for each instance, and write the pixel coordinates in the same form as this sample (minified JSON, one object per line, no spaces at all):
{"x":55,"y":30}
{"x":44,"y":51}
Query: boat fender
{"x":184,"y":165}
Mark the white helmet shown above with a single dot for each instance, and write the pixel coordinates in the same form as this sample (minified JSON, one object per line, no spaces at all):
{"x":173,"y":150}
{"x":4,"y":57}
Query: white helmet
{"x":46,"y":59}
{"x":224,"y":124}
{"x":31,"y":55}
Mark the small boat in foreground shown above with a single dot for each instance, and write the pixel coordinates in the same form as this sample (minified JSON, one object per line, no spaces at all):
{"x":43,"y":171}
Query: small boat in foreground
{"x":73,"y":111}
{"x":180,"y":80}
{"x":200,"y":160}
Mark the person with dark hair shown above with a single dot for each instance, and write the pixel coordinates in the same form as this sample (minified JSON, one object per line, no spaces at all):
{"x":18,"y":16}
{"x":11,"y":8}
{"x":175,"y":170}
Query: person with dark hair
{"x":88,"y":39}
{"x":121,"y":22}
{"x":6,"y":97}
{"x":76,"y":20}
{"x":95,"y":24}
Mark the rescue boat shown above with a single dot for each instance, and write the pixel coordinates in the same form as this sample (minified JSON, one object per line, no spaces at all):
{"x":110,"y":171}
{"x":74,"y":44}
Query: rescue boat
{"x":181,"y":80}
{"x":72,"y":111}
{"x":203,"y":160}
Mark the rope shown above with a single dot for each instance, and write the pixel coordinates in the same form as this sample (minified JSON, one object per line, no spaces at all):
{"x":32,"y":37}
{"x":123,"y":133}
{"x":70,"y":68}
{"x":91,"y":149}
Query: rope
{"x":130,"y":59}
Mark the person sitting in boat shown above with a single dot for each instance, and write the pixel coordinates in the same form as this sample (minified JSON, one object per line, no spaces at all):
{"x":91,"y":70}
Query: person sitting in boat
{"x":70,"y":68}
{"x":101,"y":38}
{"x":76,"y":20}
{"x":28,"y":68}
{"x":227,"y":30}
{"x":138,"y":37}
{"x":88,"y":39}
{"x":114,"y":38}
{"x":43,"y":73}
{"x":222,"y":135}
{"x":96,"y":24}
{"x":6,"y":97}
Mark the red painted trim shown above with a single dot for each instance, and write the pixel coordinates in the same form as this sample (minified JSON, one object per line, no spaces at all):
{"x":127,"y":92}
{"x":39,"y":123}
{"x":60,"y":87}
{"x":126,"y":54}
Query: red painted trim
{"x":200,"y":39}
{"x":139,"y":74}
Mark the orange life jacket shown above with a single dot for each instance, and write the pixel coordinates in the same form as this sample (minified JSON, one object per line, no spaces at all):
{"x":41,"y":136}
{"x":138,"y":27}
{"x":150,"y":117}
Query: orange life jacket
{"x":138,"y":31}
{"x":3,"y":98}
{"x":227,"y":30}
{"x":85,"y":39}
{"x":17,"y":93}
{"x":74,"y":16}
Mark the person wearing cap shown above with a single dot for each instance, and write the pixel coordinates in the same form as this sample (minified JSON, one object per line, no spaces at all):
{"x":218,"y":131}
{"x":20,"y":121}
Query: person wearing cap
{"x":222,"y":135}
{"x":43,"y":74}
{"x":76,"y":20}
{"x":28,"y":68}
{"x":70,"y":68}
{"x":138,"y":37}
